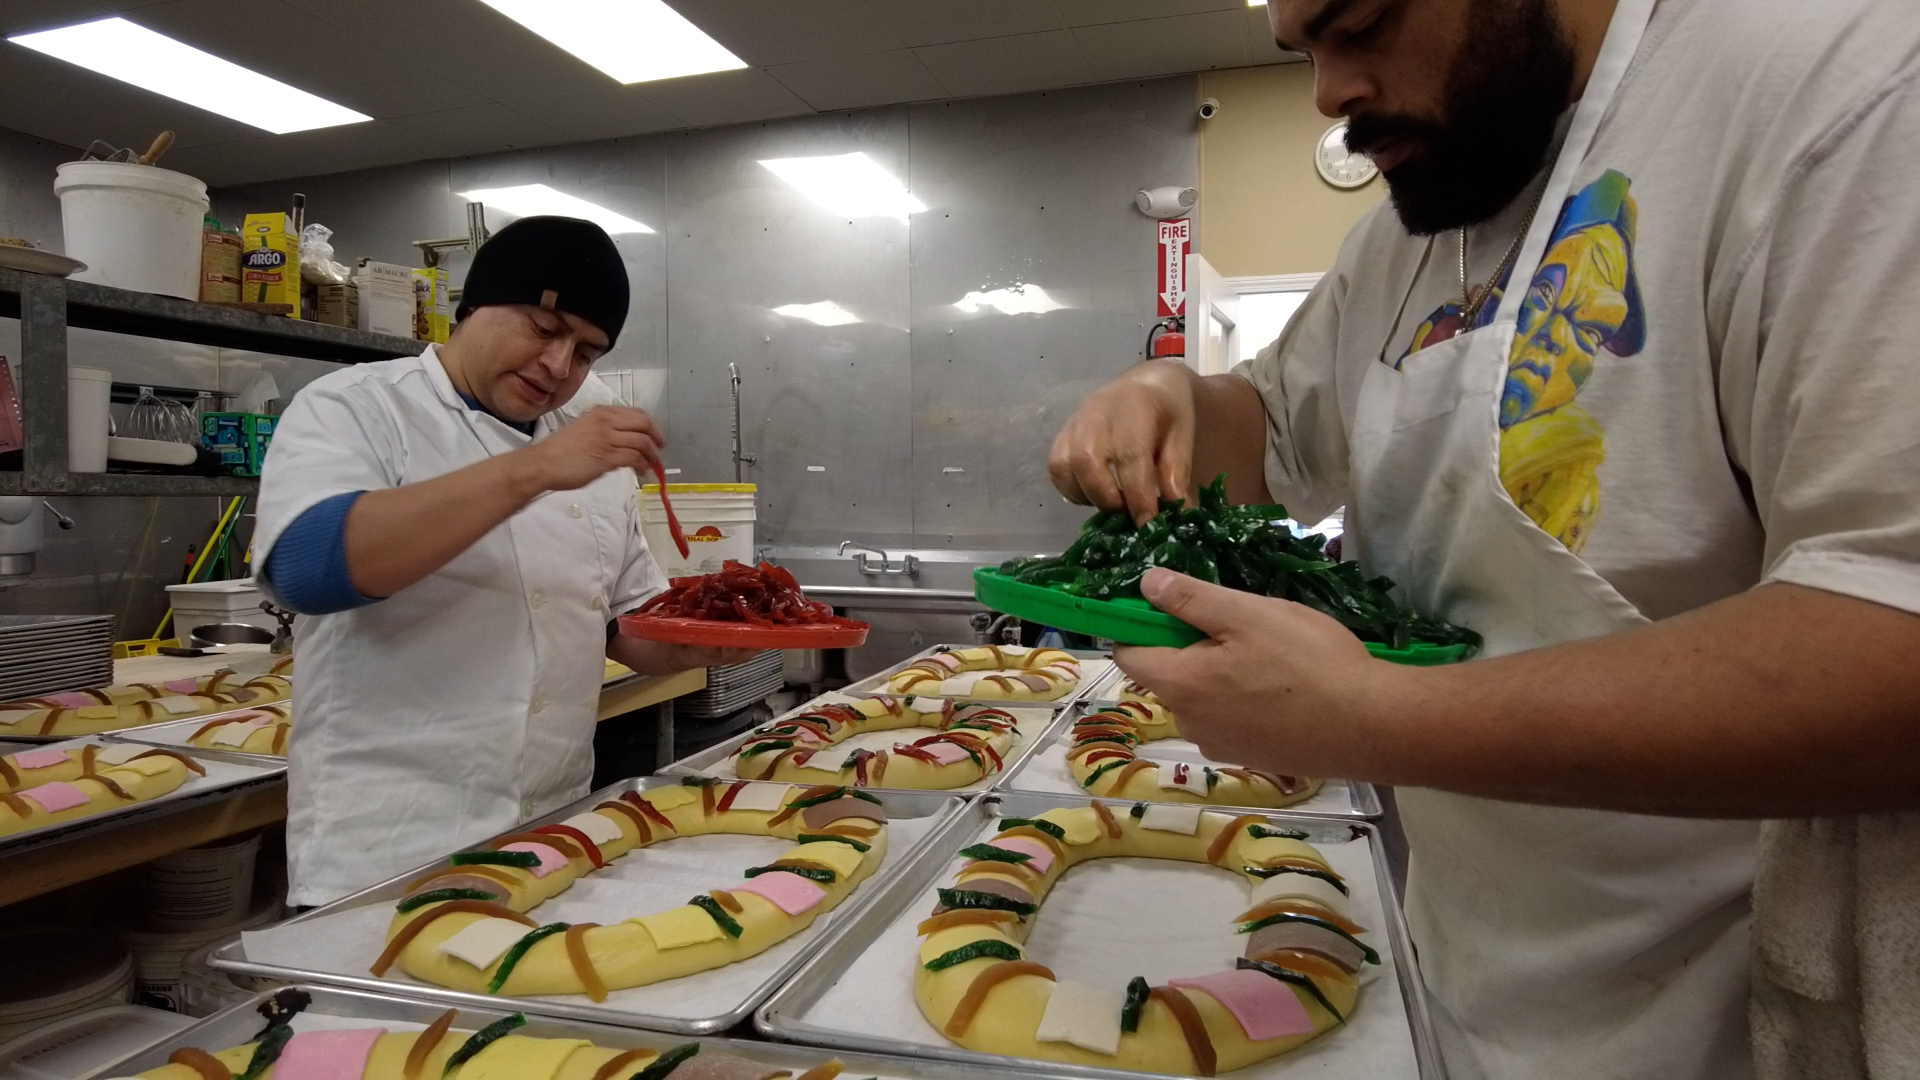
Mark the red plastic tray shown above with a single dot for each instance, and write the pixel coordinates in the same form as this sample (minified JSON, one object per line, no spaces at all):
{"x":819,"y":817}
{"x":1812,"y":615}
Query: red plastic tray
{"x":675,"y":631}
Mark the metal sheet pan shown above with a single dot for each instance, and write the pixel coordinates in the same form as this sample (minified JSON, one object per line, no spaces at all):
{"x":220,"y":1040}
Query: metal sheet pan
{"x":1043,"y":771}
{"x":936,"y":807}
{"x":717,"y":760}
{"x":336,"y":1008}
{"x":175,"y":733}
{"x":788,"y":1014}
{"x":1093,"y":667}
{"x":227,"y":774}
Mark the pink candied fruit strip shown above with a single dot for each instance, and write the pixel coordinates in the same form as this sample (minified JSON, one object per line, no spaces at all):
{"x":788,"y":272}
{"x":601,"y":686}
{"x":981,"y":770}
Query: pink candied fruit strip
{"x":56,"y":796}
{"x":550,"y":858}
{"x":790,"y":893}
{"x":1265,"y":1007}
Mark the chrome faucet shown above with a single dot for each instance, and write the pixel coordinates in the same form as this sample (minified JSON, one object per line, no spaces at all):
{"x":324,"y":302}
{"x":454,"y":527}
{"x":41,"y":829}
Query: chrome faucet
{"x":909,"y":565}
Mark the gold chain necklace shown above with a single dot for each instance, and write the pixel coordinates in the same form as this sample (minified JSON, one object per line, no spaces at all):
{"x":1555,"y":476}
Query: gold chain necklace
{"x":1472,"y":300}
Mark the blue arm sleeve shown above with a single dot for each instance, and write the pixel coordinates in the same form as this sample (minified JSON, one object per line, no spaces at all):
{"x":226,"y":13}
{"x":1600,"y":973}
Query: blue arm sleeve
{"x":308,"y":566}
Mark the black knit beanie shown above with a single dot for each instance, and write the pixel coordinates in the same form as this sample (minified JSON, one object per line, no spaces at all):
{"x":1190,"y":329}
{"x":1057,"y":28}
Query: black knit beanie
{"x":561,"y":263}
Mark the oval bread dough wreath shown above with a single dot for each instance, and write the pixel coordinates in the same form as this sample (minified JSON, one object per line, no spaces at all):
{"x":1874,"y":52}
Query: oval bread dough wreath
{"x":1003,"y":672}
{"x":111,"y":708}
{"x":46,"y":787}
{"x":1298,"y":976}
{"x":464,"y":926}
{"x":1102,"y":759}
{"x":971,"y":742}
{"x":440,"y":1051}
{"x":255,"y":731}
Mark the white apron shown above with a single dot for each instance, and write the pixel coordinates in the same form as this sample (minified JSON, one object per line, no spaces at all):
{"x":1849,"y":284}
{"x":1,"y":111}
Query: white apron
{"x":465,"y":703}
{"x":1555,"y":943}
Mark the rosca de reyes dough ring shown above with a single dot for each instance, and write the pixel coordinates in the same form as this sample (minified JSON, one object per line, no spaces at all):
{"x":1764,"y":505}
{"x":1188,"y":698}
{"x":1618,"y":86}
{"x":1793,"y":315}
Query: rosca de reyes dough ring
{"x":255,"y":731}
{"x":1100,"y":754}
{"x":1005,"y":672}
{"x":89,"y":712}
{"x":969,"y":742}
{"x":442,"y":1052}
{"x":47,"y":787}
{"x":465,"y":925}
{"x":1296,"y":978}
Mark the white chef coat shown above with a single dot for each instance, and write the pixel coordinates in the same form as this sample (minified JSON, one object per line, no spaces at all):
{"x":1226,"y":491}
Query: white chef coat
{"x":464,"y":703}
{"x":1737,"y":407}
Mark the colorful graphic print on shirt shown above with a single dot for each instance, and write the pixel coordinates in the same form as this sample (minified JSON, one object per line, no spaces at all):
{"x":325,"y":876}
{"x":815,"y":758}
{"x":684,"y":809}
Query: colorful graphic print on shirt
{"x":1585,"y":298}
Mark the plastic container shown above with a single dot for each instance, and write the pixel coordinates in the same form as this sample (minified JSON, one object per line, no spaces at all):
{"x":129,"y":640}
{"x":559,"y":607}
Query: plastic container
{"x":80,"y":1044}
{"x":89,"y":398}
{"x":160,"y":958}
{"x":135,"y":226}
{"x":206,"y":602}
{"x":57,"y":971}
{"x":716,"y":519}
{"x":206,"y":990}
{"x":1136,"y":622}
{"x":201,"y":888}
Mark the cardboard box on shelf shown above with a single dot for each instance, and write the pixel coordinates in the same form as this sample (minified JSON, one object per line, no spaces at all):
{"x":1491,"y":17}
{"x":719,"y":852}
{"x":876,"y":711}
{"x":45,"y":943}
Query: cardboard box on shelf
{"x":337,"y":305}
{"x":219,"y":267}
{"x":433,"y":312}
{"x":270,"y":261}
{"x":386,"y":298}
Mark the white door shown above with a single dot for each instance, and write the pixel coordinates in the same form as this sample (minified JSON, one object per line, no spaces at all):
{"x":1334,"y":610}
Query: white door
{"x":1213,"y":319}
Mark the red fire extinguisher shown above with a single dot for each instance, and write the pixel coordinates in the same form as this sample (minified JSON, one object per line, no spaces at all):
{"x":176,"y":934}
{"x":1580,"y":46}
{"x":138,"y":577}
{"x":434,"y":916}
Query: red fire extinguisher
{"x":1167,"y":338}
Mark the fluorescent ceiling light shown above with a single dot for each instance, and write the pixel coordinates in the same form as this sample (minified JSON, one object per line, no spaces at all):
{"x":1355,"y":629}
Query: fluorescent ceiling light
{"x":851,"y":185}
{"x":1256,"y":3}
{"x":530,"y":200}
{"x":631,"y":40}
{"x":824,"y":313}
{"x":151,"y":61}
{"x":1018,"y":300}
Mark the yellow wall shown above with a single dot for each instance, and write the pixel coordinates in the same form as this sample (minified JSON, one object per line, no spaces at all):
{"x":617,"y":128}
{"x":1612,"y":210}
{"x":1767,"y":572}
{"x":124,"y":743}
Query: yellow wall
{"x":1263,"y":207}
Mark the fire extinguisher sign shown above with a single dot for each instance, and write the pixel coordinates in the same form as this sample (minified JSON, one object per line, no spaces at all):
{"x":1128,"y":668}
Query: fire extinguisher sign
{"x":1175,"y":237}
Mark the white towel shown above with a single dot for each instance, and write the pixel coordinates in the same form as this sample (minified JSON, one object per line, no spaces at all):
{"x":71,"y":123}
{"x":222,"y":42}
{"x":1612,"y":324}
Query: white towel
{"x":1836,"y":939}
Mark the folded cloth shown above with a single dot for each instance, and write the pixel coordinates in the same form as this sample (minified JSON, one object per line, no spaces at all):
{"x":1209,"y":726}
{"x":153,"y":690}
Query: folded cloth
{"x":1836,"y":941}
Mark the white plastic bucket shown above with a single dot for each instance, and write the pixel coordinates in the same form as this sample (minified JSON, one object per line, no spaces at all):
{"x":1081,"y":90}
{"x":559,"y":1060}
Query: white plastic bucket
{"x":89,"y":396}
{"x":199,"y":888}
{"x":160,"y":958}
{"x":56,"y":971}
{"x":716,"y":519}
{"x":135,"y":226}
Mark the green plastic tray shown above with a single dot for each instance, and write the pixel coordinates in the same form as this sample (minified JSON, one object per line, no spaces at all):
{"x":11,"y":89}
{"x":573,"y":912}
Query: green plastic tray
{"x":1136,"y":622}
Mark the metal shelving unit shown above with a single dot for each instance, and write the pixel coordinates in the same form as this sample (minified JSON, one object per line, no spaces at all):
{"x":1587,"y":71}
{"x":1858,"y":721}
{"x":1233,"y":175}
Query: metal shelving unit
{"x":48,"y":306}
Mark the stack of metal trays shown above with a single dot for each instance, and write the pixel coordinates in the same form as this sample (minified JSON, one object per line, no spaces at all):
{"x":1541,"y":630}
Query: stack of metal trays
{"x":734,"y":687}
{"x":46,"y":654}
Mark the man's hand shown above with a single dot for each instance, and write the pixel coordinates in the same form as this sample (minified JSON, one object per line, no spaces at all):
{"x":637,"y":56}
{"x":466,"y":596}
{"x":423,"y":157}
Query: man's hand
{"x":1130,"y":443}
{"x":1272,"y":687}
{"x":604,"y":438}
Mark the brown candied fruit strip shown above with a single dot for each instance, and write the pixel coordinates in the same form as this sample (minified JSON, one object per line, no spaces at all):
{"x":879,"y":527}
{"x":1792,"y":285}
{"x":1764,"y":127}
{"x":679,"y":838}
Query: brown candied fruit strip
{"x":639,"y":820}
{"x":1108,"y":823}
{"x":111,"y":786}
{"x":791,"y":809}
{"x":211,"y":724}
{"x":16,"y":804}
{"x":1225,"y":839}
{"x":964,"y":917}
{"x":192,"y":765}
{"x":590,"y":981}
{"x":1032,"y":833}
{"x":412,"y":930}
{"x":984,"y":983}
{"x":8,"y":778}
{"x":280,"y":738}
{"x":617,"y":1066}
{"x":1199,"y":1043}
{"x":726,"y":900}
{"x":208,"y":1066}
{"x":1305,"y":963}
{"x":1127,"y":772}
{"x":1300,"y":907}
{"x":706,"y":800}
{"x":506,"y":880}
{"x":423,"y":1046}
{"x":53,"y":717}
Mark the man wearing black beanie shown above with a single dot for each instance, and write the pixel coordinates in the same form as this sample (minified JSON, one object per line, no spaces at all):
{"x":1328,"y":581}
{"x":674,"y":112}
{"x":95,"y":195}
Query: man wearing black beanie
{"x":458,"y":541}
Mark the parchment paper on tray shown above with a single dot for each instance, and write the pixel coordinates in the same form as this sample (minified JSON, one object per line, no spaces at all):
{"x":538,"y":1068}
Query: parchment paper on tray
{"x":1046,"y":771}
{"x":1111,"y":919}
{"x":643,"y":881}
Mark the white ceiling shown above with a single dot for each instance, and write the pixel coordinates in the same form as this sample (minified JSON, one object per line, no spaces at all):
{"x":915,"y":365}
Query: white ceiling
{"x":446,"y":78}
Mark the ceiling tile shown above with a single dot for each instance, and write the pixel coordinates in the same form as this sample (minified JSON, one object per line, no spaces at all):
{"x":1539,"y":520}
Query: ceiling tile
{"x":1260,"y":45}
{"x":1007,"y":65}
{"x":23,"y":16}
{"x":316,"y":56}
{"x":55,"y":100}
{"x":302,"y":153}
{"x":724,"y":97}
{"x":477,"y":129}
{"x":1094,"y":12}
{"x":1148,"y":47}
{"x":768,"y":32}
{"x":611,"y":112}
{"x":858,"y":82}
{"x":464,"y":42}
{"x":935,"y":22}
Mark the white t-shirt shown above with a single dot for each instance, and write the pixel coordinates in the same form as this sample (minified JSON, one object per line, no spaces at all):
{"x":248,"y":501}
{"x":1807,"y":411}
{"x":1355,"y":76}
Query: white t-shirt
{"x":1717,"y":381}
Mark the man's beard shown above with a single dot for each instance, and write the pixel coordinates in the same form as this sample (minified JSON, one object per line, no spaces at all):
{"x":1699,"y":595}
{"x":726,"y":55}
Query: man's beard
{"x":1503,"y":99}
